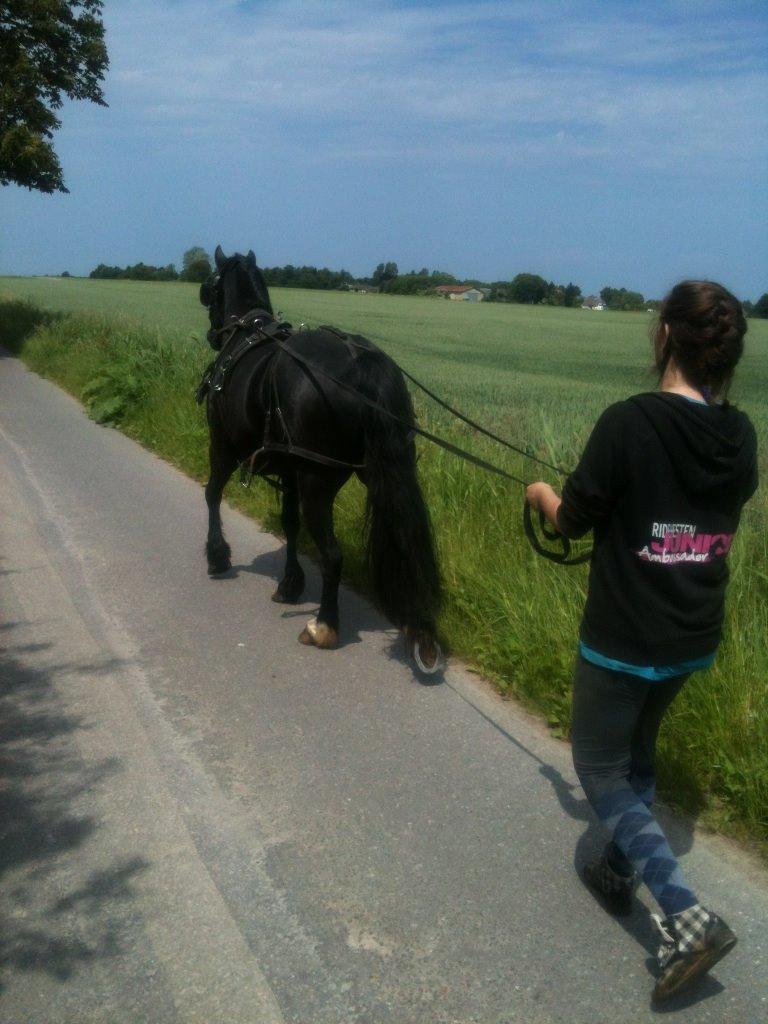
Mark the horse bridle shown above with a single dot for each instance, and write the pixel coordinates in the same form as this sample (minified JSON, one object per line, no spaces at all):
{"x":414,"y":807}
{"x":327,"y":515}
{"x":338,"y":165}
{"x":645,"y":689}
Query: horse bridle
{"x":209,"y":294}
{"x":208,"y":288}
{"x":253,"y":318}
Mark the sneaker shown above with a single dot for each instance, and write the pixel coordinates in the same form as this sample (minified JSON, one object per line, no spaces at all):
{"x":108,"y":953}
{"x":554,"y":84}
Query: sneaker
{"x":691,"y":943}
{"x":612,"y":889}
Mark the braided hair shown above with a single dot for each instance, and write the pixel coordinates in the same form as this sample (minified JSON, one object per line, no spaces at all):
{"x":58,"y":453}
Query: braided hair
{"x":703,"y":326}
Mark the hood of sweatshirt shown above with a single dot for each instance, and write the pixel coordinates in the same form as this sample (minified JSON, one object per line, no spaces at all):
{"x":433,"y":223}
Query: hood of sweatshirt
{"x":712,"y":447}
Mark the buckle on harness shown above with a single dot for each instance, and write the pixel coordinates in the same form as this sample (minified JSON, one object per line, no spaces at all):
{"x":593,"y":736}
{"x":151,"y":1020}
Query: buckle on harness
{"x":217,"y":378}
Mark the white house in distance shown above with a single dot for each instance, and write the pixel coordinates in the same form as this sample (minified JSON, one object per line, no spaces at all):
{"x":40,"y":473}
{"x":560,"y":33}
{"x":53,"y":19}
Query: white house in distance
{"x":593,"y":302}
{"x":361,"y":289}
{"x":460,"y":292}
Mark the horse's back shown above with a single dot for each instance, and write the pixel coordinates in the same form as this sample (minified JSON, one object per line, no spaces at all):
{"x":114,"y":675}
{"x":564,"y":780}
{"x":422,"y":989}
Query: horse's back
{"x":307,"y":391}
{"x":327,"y":384}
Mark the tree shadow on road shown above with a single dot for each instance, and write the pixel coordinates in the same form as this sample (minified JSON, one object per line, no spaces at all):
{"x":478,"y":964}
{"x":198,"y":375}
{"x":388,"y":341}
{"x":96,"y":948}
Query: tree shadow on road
{"x":42,"y":776}
{"x":19,"y":320}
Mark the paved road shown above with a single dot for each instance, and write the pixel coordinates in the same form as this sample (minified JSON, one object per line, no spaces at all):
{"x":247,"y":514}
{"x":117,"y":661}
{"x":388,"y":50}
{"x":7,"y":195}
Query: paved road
{"x":206,"y":822}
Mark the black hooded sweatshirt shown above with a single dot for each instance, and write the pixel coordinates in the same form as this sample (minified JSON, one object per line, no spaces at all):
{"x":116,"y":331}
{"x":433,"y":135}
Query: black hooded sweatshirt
{"x":662,"y":482}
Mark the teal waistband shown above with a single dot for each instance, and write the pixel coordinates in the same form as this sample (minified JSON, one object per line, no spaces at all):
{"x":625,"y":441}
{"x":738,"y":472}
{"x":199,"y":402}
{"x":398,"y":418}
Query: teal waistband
{"x":655,"y":673}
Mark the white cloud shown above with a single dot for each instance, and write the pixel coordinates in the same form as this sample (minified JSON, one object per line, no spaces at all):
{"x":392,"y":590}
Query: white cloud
{"x":469,"y":82}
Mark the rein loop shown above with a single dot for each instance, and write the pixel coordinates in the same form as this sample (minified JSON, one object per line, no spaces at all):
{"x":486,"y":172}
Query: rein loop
{"x":562,"y":557}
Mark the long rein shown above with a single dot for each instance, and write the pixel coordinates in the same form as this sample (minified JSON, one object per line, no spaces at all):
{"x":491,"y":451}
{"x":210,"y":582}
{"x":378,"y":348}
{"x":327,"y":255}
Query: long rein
{"x":561,"y":557}
{"x":253,"y":318}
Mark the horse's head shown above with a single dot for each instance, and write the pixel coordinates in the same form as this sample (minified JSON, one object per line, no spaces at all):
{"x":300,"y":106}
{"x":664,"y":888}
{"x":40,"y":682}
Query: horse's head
{"x":236,"y":287}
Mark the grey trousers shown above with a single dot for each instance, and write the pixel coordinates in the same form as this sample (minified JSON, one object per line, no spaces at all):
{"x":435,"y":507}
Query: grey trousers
{"x":616,"y":720}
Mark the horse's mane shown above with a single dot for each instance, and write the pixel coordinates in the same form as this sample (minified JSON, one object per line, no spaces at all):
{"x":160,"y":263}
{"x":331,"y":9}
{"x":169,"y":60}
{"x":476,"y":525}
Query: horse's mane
{"x":256,"y":278}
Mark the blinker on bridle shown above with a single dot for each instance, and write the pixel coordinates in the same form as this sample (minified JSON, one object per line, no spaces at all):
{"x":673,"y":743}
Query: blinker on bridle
{"x":208,"y":289}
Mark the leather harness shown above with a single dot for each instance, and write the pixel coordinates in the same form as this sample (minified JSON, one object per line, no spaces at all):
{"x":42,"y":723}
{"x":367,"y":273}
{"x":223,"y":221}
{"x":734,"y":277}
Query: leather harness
{"x":265,"y":330}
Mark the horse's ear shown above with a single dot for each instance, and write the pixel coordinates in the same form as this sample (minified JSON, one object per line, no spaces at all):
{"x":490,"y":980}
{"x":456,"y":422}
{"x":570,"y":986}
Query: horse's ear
{"x":220,"y":258}
{"x":251,"y":257}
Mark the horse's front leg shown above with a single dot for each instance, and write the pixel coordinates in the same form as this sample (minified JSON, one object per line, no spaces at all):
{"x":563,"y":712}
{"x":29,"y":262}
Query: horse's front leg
{"x":223,"y":464}
{"x":291,"y":586}
{"x":318,"y":491}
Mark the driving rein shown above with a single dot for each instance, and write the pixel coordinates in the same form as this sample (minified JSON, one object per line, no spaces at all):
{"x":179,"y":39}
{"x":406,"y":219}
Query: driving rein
{"x":262,"y":329}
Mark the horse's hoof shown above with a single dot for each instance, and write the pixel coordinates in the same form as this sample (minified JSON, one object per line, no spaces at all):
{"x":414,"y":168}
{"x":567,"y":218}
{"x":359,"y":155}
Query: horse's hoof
{"x":288,"y":593}
{"x":319,"y":634}
{"x":218,"y":555}
{"x":426,"y":653}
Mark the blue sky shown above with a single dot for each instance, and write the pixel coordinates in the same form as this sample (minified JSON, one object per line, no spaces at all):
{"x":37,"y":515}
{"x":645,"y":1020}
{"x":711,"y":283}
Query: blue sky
{"x":605,"y":143}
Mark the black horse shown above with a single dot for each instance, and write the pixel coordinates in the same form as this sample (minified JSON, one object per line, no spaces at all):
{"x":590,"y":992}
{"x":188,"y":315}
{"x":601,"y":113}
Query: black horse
{"x":310,"y":408}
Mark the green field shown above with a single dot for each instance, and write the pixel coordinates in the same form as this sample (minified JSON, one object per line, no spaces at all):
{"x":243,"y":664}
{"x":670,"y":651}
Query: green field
{"x":540,"y":376}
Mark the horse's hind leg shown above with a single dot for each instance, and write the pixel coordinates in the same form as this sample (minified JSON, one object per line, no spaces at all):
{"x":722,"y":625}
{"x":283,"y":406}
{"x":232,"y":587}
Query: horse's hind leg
{"x":318,"y":491}
{"x":223,"y":464}
{"x":291,"y":586}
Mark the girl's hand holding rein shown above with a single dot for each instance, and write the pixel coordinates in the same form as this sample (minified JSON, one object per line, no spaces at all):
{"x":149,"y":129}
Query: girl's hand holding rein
{"x":541,"y":497}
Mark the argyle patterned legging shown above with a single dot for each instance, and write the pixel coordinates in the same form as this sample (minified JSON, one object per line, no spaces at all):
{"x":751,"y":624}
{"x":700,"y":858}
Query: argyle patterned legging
{"x":616,"y":719}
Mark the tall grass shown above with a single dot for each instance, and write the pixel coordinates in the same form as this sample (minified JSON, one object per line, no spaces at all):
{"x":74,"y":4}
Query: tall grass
{"x":537,"y":375}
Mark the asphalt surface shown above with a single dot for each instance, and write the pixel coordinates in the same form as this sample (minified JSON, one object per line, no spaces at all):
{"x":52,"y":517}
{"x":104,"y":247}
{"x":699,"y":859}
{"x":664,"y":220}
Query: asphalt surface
{"x":204,"y":821}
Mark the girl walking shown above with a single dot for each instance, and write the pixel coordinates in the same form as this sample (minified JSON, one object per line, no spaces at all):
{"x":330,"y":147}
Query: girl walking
{"x":662,"y":482}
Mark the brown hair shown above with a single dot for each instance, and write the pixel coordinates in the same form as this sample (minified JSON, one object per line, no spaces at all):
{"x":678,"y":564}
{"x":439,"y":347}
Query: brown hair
{"x":706,"y":334}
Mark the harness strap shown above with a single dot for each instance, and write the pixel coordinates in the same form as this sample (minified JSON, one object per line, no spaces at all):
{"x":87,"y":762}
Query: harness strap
{"x":412,"y":427}
{"x":352,"y":346}
{"x":465,"y":419}
{"x":278,"y":448}
{"x":205,"y":383}
{"x":562,"y":557}
{"x":236,"y":323}
{"x":216,"y":372}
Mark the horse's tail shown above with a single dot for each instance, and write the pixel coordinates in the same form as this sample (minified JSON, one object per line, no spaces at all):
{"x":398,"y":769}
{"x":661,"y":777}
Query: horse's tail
{"x":400,"y":546}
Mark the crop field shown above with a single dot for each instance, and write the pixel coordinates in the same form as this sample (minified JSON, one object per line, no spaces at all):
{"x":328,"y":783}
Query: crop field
{"x":133,"y":352}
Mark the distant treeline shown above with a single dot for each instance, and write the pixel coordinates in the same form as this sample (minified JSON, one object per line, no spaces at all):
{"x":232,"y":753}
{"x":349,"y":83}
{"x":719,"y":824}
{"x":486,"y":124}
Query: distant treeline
{"x":196,"y":266}
{"x":417,"y":282}
{"x":138,"y":272}
{"x":528,"y":289}
{"x":758,"y":309}
{"x":308,"y":277}
{"x":524,"y":288}
{"x":622,"y":299}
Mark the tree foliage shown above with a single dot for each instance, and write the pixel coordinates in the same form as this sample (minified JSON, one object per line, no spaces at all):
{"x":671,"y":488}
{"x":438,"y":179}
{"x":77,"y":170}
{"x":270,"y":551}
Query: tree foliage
{"x":572,"y":295}
{"x":421,"y":283}
{"x":146,"y":272}
{"x":760,"y":308}
{"x":48,"y":49}
{"x":138,"y":272}
{"x":197,"y":271}
{"x":196,"y":265}
{"x":622,"y":299}
{"x":307,"y":277}
{"x":384,"y":272}
{"x":106,"y":273}
{"x":528,"y":288}
{"x":194,"y":255}
{"x":531,"y":289}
